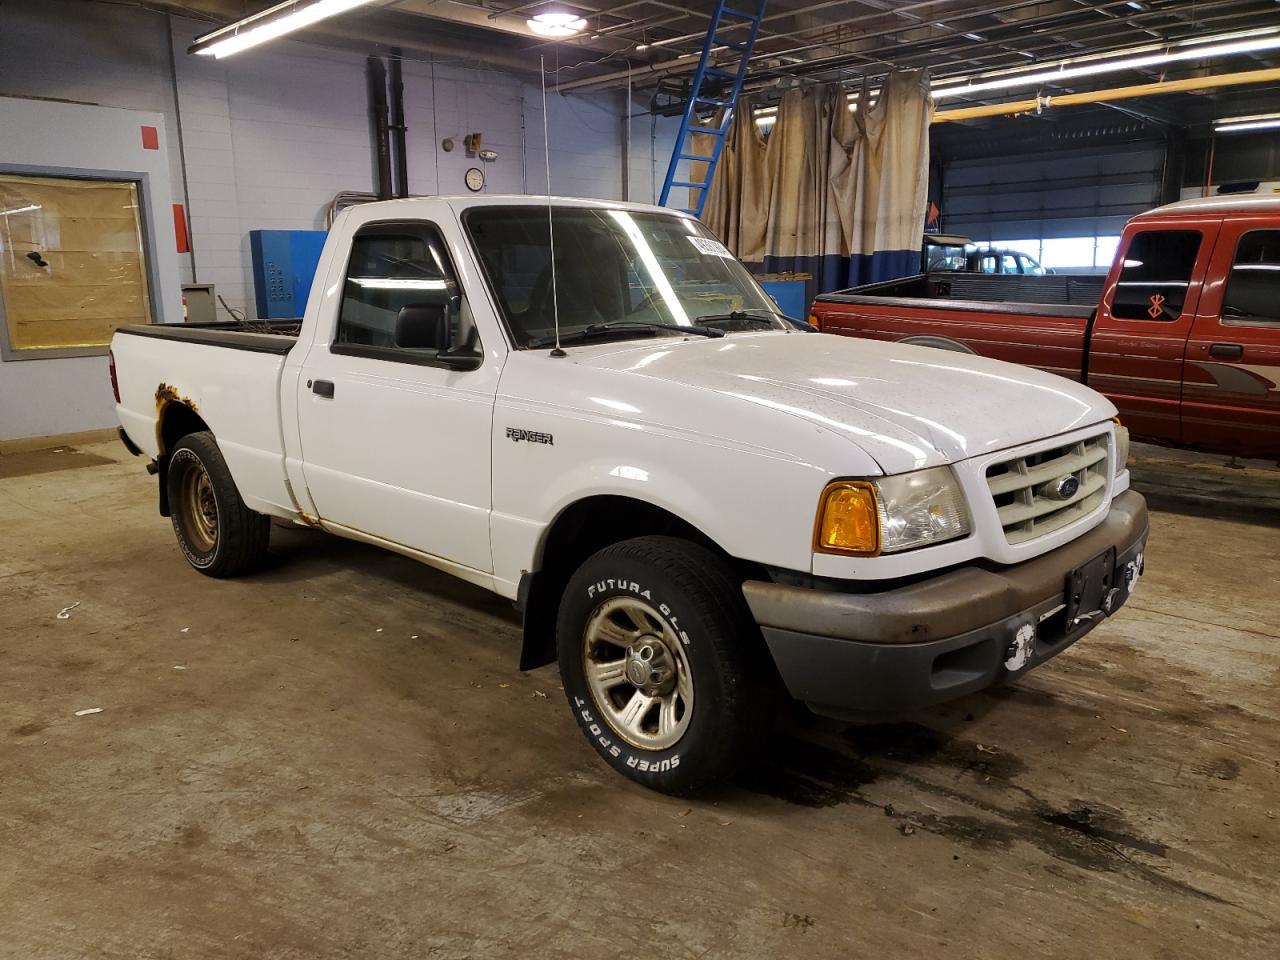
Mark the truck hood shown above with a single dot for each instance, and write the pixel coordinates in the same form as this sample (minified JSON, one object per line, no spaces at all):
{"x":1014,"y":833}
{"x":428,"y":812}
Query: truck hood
{"x":907,"y":407}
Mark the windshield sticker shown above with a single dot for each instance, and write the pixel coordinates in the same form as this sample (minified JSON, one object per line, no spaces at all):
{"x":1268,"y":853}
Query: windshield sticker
{"x":711,"y":248}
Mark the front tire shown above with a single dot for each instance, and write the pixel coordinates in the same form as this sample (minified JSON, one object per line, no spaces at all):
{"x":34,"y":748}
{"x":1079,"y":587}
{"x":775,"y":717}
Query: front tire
{"x":661,"y":663}
{"x":218,"y":534}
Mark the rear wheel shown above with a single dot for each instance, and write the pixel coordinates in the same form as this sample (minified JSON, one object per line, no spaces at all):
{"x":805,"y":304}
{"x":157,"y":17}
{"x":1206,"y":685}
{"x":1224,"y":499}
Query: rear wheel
{"x":661,"y":663}
{"x":218,"y":534}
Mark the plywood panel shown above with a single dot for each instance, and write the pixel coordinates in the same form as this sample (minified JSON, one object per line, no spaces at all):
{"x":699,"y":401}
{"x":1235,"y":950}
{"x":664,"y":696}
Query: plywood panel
{"x":72,"y":267}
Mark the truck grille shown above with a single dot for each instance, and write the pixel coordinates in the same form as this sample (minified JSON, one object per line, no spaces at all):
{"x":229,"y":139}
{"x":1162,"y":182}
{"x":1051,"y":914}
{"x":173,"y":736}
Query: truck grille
{"x":1026,"y":490}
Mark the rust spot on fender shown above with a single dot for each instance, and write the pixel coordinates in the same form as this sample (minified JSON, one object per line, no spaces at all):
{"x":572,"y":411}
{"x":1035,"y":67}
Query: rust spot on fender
{"x":310,"y":521}
{"x":167,"y":394}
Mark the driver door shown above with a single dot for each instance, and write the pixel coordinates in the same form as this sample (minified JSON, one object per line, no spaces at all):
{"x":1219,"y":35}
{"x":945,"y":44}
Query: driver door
{"x":395,"y":443}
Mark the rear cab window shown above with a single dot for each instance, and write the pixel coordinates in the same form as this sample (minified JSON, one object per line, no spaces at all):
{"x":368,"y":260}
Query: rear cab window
{"x":1253,"y":285}
{"x":1156,"y":275}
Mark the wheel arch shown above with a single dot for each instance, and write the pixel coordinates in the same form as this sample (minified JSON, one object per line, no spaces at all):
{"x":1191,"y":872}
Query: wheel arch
{"x":176,"y":419}
{"x":938,"y":343}
{"x":579,"y":530}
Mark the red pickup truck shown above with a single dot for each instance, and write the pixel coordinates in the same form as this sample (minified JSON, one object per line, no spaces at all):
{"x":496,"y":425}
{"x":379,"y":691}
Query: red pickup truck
{"x":1183,"y":334}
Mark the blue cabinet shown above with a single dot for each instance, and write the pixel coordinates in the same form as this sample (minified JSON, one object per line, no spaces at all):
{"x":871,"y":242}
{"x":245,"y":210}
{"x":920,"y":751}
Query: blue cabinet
{"x":284,"y":264}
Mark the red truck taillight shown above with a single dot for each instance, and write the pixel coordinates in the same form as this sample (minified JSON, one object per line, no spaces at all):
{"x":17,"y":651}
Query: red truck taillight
{"x":115,"y":384}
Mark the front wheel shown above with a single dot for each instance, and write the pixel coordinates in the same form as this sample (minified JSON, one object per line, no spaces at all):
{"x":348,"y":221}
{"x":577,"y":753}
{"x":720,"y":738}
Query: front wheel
{"x":661,"y":663}
{"x":218,"y":534}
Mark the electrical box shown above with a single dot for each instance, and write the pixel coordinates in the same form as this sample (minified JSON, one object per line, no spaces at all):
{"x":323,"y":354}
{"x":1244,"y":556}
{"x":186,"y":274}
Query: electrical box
{"x":284,"y":264}
{"x":199,"y":303}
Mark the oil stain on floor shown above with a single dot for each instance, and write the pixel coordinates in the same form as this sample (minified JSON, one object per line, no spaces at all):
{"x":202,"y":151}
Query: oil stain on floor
{"x":31,"y":462}
{"x":816,"y":771}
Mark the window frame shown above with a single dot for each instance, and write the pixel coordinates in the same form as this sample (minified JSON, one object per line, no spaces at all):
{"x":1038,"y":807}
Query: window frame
{"x":1204,"y":249}
{"x":147,"y":232}
{"x":1226,"y":287}
{"x":433,"y":237}
{"x":497,"y":298}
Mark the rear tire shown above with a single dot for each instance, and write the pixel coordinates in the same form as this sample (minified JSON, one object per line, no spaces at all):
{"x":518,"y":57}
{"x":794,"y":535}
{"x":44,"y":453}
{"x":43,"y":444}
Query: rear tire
{"x":218,"y":534}
{"x":662,"y":663}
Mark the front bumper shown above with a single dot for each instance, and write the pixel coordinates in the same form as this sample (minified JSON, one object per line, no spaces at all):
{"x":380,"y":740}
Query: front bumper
{"x":907,"y":648}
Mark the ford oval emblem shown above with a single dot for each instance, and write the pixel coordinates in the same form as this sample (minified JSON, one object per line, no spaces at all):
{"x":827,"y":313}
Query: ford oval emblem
{"x":1064,"y":488}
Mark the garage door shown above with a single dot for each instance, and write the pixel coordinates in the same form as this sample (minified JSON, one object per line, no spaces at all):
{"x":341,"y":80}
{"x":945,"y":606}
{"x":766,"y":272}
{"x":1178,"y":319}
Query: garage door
{"x":1067,"y":193}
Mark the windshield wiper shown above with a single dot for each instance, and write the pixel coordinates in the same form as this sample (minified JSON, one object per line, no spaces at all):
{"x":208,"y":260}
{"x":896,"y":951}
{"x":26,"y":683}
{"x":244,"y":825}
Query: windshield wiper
{"x":622,"y":326}
{"x":740,"y":316}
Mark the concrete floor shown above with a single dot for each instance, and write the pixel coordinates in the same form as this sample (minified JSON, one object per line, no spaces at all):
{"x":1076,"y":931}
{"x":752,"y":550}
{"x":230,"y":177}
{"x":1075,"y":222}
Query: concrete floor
{"x":337,"y":757}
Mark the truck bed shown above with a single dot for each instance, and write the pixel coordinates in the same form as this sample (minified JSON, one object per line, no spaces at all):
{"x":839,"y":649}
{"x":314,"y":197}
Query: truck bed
{"x":1036,"y":321}
{"x":259,"y":336}
{"x":226,"y":374}
{"x":1065,"y":295}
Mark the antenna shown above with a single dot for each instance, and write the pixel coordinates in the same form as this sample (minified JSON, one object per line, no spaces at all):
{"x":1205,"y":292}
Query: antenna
{"x":551,"y":230}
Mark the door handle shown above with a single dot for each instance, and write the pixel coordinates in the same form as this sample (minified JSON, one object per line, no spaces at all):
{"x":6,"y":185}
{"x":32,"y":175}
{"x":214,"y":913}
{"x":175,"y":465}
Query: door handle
{"x":1226,"y":351}
{"x":322,"y":388}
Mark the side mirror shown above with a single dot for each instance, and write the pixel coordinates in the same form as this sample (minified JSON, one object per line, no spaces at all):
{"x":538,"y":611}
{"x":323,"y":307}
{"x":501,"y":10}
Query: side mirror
{"x":465,"y":356}
{"x":421,"y":325}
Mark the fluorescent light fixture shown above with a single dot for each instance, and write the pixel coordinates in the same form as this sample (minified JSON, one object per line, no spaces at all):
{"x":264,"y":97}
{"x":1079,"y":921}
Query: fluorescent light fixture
{"x":1261,"y":121}
{"x":556,"y":24}
{"x":27,"y":209}
{"x":1203,"y":48}
{"x":268,"y":25}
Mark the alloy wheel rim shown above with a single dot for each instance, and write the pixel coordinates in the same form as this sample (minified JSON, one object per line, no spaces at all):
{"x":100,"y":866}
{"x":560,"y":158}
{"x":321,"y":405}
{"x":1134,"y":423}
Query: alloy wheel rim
{"x":638,"y":673}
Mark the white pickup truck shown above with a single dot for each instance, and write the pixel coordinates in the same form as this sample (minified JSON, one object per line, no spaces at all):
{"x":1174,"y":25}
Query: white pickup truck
{"x":695,"y":504}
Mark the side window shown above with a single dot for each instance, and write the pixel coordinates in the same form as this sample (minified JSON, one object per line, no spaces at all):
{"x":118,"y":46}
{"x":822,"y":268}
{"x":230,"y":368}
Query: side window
{"x":1253,"y":287}
{"x":1156,"y":274}
{"x":1009,"y":264}
{"x":400,"y":293}
{"x":988,"y":264}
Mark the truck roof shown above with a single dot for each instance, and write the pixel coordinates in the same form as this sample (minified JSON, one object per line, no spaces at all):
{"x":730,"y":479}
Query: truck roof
{"x":1230,"y":203}
{"x":463,"y":201}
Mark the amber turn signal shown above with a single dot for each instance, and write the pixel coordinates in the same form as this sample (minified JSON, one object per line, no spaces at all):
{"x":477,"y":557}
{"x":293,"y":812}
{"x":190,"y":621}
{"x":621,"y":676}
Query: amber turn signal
{"x":848,"y":520}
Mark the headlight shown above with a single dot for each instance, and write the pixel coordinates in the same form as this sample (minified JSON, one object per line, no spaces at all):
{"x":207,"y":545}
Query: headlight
{"x":1122,"y":447}
{"x":867,"y":517}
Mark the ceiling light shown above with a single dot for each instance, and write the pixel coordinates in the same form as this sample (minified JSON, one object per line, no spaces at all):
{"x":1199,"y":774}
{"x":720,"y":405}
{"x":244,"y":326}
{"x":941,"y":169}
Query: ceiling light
{"x":975,"y":36}
{"x":27,"y":209}
{"x":556,"y":24}
{"x":268,"y":25}
{"x":1260,"y":121}
{"x":1203,"y":48}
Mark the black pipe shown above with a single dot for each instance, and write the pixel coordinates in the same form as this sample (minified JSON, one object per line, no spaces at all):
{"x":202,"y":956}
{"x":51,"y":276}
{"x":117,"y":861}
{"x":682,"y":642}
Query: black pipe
{"x":398,"y":129}
{"x":378,"y":117}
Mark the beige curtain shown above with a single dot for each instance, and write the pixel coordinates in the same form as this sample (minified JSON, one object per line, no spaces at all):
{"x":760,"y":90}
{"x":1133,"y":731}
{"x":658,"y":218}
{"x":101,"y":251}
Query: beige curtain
{"x":831,"y":192}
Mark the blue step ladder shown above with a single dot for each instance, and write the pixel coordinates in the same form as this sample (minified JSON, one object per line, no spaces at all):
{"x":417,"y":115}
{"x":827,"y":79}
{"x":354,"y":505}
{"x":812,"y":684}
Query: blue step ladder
{"x":723,"y":16}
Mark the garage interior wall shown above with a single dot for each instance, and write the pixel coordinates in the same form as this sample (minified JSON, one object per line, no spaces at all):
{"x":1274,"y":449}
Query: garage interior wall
{"x":271,"y":135}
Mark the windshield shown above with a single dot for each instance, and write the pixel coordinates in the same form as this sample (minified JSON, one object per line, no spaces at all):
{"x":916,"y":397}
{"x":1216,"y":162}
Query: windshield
{"x":638,"y":273}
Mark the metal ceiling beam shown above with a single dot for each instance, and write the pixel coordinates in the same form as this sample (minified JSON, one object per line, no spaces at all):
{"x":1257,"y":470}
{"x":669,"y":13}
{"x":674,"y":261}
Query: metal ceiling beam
{"x":928,"y":51}
{"x":1136,"y":91}
{"x":677,"y":67}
